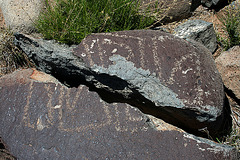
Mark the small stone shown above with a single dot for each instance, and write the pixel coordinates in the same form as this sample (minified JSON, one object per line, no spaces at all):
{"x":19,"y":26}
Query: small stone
{"x":200,"y":31}
{"x":228,"y":64}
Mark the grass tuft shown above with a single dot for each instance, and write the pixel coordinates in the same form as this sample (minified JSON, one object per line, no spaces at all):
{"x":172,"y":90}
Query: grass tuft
{"x":233,"y":139}
{"x":71,"y":21}
{"x":230,"y":19}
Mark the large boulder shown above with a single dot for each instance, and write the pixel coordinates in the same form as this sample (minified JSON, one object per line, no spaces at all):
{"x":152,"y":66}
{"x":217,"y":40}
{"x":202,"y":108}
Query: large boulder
{"x":19,"y":15}
{"x":46,"y":120}
{"x":228,"y":64}
{"x":200,"y":31}
{"x":162,"y":75}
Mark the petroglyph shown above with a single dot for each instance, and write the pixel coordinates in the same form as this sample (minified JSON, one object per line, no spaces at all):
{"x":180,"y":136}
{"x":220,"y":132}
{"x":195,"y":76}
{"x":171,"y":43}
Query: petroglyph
{"x":177,"y":66}
{"x":185,"y":72}
{"x":26,"y":117}
{"x":49,"y":120}
{"x":71,"y":103}
{"x":114,"y":50}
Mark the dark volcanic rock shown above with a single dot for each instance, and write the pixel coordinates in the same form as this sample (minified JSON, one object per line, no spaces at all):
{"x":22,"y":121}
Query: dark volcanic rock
{"x":178,"y":77}
{"x":215,"y":4}
{"x":200,"y":31}
{"x":171,"y":10}
{"x":50,"y":121}
{"x":162,"y":75}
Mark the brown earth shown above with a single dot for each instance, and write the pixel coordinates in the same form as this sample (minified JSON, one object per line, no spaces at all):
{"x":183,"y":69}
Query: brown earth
{"x":2,"y":22}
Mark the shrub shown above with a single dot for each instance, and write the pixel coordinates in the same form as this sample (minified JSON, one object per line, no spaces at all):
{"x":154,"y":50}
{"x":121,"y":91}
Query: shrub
{"x":230,"y":19}
{"x":233,"y":139}
{"x":11,"y":58}
{"x":69,"y":21}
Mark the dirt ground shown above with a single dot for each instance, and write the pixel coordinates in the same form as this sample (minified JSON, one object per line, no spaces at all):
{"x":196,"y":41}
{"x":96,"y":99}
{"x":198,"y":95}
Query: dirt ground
{"x":2,"y":23}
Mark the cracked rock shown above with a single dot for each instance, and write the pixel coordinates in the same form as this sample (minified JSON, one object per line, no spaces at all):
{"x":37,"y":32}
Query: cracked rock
{"x":160,"y":74}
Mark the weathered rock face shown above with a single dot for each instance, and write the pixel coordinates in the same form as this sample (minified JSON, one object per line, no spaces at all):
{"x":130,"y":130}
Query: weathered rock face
{"x":214,"y":4}
{"x":19,"y":15}
{"x":174,"y":10}
{"x":228,"y":64}
{"x":160,"y":74}
{"x":200,"y":31}
{"x":178,"y":78}
{"x":50,"y":121}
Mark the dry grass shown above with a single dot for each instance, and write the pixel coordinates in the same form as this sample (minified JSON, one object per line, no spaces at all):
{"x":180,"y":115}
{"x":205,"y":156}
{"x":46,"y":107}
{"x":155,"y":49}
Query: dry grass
{"x":161,"y":10}
{"x":230,"y":23}
{"x":11,"y":58}
{"x":234,"y":138}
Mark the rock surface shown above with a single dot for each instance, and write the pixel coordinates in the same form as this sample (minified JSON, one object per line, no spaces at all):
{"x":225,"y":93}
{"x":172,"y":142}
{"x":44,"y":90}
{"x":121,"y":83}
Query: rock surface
{"x":214,"y":4}
{"x":199,"y":31}
{"x":41,"y":120}
{"x":19,"y":15}
{"x":174,"y":10}
{"x":162,"y":75}
{"x":228,"y":64}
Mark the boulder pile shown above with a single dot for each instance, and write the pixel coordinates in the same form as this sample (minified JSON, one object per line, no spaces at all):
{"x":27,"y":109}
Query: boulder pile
{"x":142,"y":68}
{"x":140,"y":94}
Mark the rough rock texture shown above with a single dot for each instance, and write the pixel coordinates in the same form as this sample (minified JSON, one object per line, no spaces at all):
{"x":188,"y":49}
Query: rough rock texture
{"x":200,"y":31}
{"x":214,"y":4}
{"x":228,"y":64}
{"x":160,"y":74}
{"x":20,"y":14}
{"x":50,"y":121}
{"x":174,"y":10}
